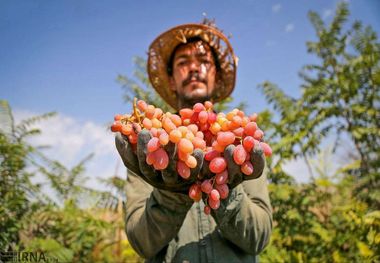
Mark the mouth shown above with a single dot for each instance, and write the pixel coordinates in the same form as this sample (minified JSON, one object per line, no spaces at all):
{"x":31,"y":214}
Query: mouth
{"x":194,"y":84}
{"x":193,"y":80}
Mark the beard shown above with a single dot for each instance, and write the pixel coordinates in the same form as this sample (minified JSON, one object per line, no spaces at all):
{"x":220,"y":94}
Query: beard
{"x":197,"y":94}
{"x":191,"y":92}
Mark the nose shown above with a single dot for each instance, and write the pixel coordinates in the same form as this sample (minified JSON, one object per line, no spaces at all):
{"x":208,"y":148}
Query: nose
{"x":194,"y":66}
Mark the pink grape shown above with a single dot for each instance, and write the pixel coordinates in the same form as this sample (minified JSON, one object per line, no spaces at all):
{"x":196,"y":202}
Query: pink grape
{"x":259,"y":134}
{"x":239,"y":131}
{"x":211,"y":155}
{"x":223,"y":190}
{"x":186,"y":113}
{"x":150,"y":158}
{"x":207,"y":210}
{"x":206,"y":186}
{"x":153,"y":144}
{"x":164,"y":138}
{"x":239,"y":154}
{"x":248,"y":143}
{"x":198,"y":107}
{"x":247,"y":168}
{"x":218,"y":165}
{"x":225,"y":138}
{"x":185,"y":146}
{"x":195,"y":192}
{"x":266,"y":148}
{"x":214,"y":204}
{"x":250,"y":128}
{"x":142,"y":105}
{"x":211,"y":117}
{"x":214,"y":195}
{"x":183,"y":170}
{"x":161,"y":159}
{"x":203,"y":117}
{"x":221,"y":178}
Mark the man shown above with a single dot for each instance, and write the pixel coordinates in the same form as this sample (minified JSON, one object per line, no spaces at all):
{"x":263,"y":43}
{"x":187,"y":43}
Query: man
{"x":188,"y":64}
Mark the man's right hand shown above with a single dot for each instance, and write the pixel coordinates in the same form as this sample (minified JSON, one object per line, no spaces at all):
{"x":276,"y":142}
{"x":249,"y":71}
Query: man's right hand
{"x":167,"y":179}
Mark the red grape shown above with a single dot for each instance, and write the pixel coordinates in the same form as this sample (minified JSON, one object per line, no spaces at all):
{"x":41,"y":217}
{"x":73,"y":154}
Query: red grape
{"x":239,"y":154}
{"x":161,"y":159}
{"x":250,"y":128}
{"x":207,"y":210}
{"x":225,"y":138}
{"x":214,"y":204}
{"x":153,"y":144}
{"x":223,"y":190}
{"x":247,"y":168}
{"x":266,"y":148}
{"x":214,"y":195}
{"x":211,"y":155}
{"x":218,"y":165}
{"x":221,"y":178}
{"x":195,"y":192}
{"x":248,"y":143}
{"x":206,"y":186}
{"x":183,"y":170}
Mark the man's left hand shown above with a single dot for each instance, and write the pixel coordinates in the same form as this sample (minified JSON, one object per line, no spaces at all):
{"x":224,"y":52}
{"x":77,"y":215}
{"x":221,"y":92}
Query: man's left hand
{"x":235,"y":175}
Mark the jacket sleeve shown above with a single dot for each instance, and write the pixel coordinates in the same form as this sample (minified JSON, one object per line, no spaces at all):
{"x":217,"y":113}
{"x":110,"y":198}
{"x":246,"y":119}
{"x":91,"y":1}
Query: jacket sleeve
{"x":245,"y":217}
{"x":153,"y":216}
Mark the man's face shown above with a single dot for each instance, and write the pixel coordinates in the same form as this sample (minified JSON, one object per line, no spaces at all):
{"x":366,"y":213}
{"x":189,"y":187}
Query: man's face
{"x":194,"y":72}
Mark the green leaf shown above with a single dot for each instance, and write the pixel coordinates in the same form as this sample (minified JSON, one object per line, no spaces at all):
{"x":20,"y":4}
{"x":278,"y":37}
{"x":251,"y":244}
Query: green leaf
{"x":364,"y":250}
{"x":6,"y":119}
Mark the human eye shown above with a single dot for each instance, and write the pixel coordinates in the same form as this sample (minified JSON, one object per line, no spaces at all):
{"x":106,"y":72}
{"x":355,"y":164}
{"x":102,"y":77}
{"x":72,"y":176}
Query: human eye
{"x":206,"y":61}
{"x":181,"y":62}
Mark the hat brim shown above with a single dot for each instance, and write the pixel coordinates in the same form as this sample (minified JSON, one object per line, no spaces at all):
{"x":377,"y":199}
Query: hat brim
{"x":162,"y":47}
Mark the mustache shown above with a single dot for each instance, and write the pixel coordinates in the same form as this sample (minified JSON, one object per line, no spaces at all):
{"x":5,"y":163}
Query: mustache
{"x":193,"y":76}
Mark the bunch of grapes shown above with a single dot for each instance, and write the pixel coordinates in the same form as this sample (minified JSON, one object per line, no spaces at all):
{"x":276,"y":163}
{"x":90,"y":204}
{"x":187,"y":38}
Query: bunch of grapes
{"x":196,"y":128}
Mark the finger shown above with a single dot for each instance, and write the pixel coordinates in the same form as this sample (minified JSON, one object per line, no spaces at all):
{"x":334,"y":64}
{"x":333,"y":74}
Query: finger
{"x":131,"y":161}
{"x":258,"y":162}
{"x":126,"y":153}
{"x":170,"y":175}
{"x":142,"y":141}
{"x":234,"y":173}
{"x":199,"y":156}
{"x":205,"y":172}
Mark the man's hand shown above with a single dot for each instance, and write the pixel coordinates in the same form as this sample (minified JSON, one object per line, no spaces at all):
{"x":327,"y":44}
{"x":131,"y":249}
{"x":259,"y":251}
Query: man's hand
{"x":234,"y":173}
{"x":126,"y":153}
{"x":167,"y":179}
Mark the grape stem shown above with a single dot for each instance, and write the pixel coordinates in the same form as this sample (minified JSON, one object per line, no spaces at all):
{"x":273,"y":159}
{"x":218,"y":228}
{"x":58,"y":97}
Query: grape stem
{"x":136,"y":112}
{"x":212,"y":180}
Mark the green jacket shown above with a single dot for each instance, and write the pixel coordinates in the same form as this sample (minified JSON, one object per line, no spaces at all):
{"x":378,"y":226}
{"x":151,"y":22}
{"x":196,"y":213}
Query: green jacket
{"x":169,"y":227}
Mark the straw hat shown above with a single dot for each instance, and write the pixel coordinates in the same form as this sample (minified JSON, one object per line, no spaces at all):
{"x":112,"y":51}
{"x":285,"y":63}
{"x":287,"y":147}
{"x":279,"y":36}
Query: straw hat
{"x":161,"y":49}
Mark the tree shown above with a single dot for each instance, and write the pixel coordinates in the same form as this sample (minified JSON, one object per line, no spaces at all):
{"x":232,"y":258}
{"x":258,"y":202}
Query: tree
{"x":70,"y":230}
{"x":340,"y":96}
{"x":17,"y":192}
{"x":329,"y":219}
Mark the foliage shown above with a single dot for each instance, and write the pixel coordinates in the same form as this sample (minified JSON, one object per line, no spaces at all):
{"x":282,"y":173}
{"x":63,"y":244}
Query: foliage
{"x":340,"y":97}
{"x":139,"y":86}
{"x":16,"y":190}
{"x":71,"y":234}
{"x":333,"y":218}
{"x":322,"y":221}
{"x":70,"y":230}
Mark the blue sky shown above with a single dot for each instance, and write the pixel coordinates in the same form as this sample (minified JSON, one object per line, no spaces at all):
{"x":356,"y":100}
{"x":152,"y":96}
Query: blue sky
{"x":65,"y":56}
